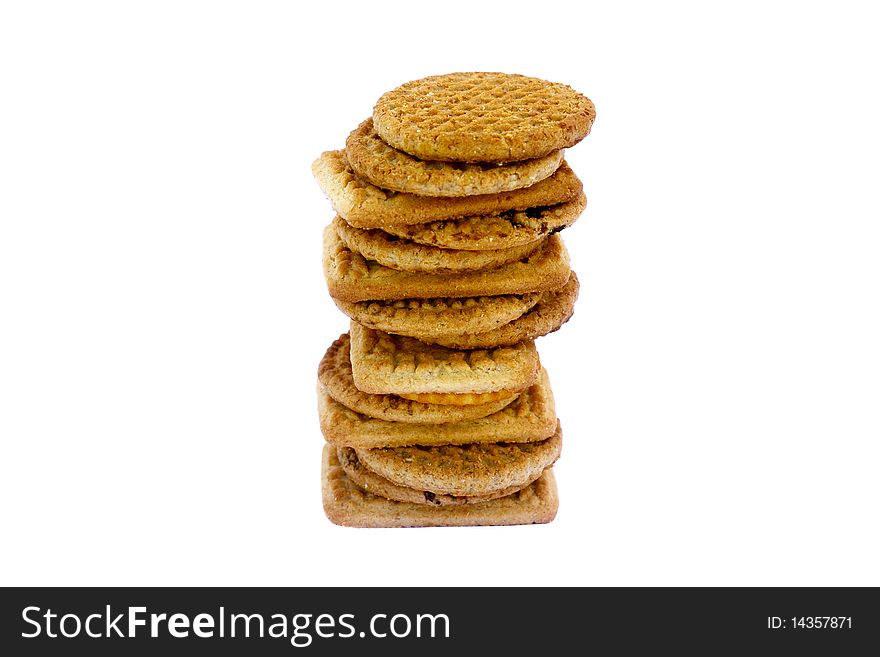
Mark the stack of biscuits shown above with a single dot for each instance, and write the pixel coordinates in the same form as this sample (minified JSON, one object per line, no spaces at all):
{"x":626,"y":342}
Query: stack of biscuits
{"x":444,"y":253}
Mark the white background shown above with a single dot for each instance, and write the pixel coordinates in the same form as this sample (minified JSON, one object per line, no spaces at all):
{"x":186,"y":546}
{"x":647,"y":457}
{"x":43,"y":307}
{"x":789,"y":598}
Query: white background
{"x":163,"y":307}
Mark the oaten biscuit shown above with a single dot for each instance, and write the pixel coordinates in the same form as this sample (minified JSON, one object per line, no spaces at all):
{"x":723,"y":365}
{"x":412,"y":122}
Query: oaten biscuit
{"x":472,"y":469}
{"x":482,"y":117}
{"x":373,"y":483}
{"x":439,"y":317}
{"x":386,"y":167}
{"x":500,"y":231}
{"x":553,"y":310}
{"x":548,"y":314}
{"x":348,"y":505}
{"x":459,"y":399}
{"x":366,"y":206}
{"x":335,"y":378}
{"x":383,"y":363}
{"x":530,"y":417}
{"x":351,"y":277}
{"x":404,"y":255}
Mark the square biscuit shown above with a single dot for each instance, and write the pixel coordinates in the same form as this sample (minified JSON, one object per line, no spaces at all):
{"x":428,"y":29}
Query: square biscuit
{"x":383,"y":363}
{"x":335,"y":379}
{"x":364,"y":205}
{"x":351,"y":277}
{"x":531,"y":417}
{"x":348,"y":505}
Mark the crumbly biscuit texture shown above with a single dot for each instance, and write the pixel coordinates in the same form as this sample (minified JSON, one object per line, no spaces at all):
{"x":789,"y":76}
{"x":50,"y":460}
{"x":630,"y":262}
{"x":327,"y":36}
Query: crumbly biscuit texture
{"x":531,"y":417}
{"x":351,"y":277}
{"x":446,"y":256}
{"x":482,"y":117}
{"x":383,"y":363}
{"x":377,"y":485}
{"x":500,"y":231}
{"x":470,"y":469}
{"x":335,"y":378}
{"x":386,"y":167}
{"x":364,"y":205}
{"x":440,"y":317}
{"x":460,"y":398}
{"x":405,"y":255}
{"x":553,"y":310}
{"x":347,"y":504}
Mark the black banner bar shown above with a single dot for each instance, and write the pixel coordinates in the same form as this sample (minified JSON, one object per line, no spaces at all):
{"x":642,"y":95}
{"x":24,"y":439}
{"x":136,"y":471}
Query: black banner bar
{"x":514,"y":621}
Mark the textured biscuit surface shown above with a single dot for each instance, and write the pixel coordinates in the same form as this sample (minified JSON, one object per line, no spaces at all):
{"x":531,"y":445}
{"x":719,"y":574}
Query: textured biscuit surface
{"x":548,"y":315}
{"x":364,"y":205}
{"x":384,"y":363}
{"x":349,"y":505}
{"x":530,"y":417}
{"x":377,"y":485}
{"x":439,"y":317}
{"x":405,"y":255}
{"x":335,"y":378}
{"x":482,"y":117}
{"x":386,"y":167}
{"x":470,"y":469}
{"x":351,"y":277}
{"x":500,"y":231}
{"x":460,"y":398}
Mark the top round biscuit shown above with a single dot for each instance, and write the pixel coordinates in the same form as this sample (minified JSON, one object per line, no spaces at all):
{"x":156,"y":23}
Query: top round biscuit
{"x":482,"y":117}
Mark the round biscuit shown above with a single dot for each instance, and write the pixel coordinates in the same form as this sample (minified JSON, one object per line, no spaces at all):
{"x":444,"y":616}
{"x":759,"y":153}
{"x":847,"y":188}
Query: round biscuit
{"x":472,"y":469}
{"x":482,"y":117}
{"x":499,"y":231}
{"x":386,"y":167}
{"x":443,"y":317}
{"x":404,"y":255}
{"x":373,"y":483}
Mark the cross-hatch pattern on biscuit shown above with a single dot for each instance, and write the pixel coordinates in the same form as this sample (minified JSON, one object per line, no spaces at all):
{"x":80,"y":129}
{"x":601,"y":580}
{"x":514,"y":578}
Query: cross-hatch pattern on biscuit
{"x":482,"y":117}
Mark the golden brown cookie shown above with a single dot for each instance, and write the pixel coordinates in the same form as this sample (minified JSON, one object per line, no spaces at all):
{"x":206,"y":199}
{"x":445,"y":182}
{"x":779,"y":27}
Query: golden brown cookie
{"x":499,"y":231}
{"x":482,"y":117}
{"x":383,"y":363}
{"x":459,"y":399}
{"x":335,"y":378}
{"x":351,"y":277}
{"x":463,"y":470}
{"x":553,"y":310}
{"x":386,"y":167}
{"x":404,"y":255}
{"x":349,"y":505}
{"x":439,"y":317}
{"x":530,"y":417}
{"x":364,"y":205}
{"x":373,"y":483}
